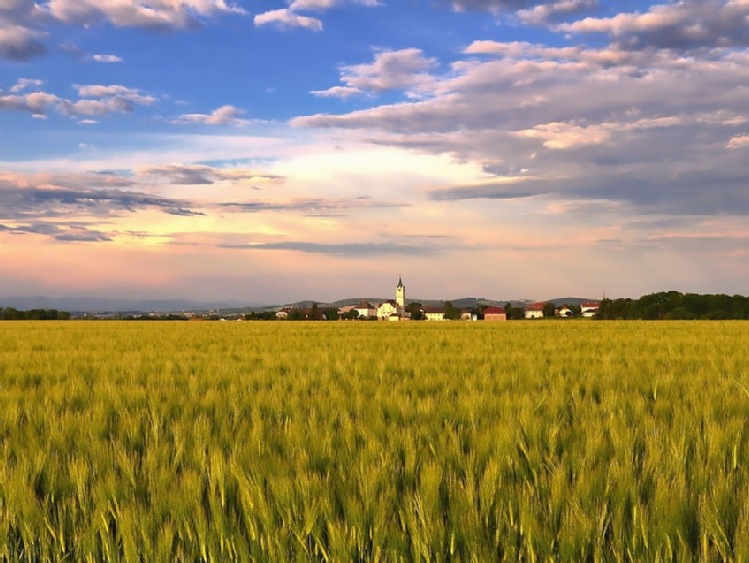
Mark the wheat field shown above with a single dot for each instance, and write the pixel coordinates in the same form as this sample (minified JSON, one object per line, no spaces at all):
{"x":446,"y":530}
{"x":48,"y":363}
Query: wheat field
{"x":548,"y":441}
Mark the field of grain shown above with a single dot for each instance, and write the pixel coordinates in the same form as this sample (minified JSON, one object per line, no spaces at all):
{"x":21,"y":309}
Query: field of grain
{"x":374,"y":441}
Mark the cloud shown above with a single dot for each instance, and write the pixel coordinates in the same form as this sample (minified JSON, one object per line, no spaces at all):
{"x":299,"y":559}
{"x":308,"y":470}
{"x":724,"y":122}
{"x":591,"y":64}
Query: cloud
{"x":286,"y":18}
{"x":545,"y":13}
{"x":106,"y":58}
{"x":351,"y":250}
{"x":740,"y":141}
{"x":225,"y":115}
{"x":576,"y":122}
{"x":309,"y":205}
{"x":25,"y":83}
{"x":498,"y":5}
{"x":682,"y":25}
{"x":22,"y":21}
{"x":128,"y":13}
{"x":297,"y":5}
{"x":405,"y":69}
{"x":20,"y":40}
{"x":94,"y":100}
{"x":290,"y":17}
{"x":195,"y":174}
{"x":24,"y":196}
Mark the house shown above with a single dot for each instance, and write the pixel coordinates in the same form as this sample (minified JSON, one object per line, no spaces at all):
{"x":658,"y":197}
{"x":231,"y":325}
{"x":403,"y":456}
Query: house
{"x":467,"y":315}
{"x":589,"y":309}
{"x":495,"y":314}
{"x":564,"y":312}
{"x":434,"y":313}
{"x":387,"y":309}
{"x":534,"y":311}
{"x":365,"y":309}
{"x":345,"y":310}
{"x":283,"y":313}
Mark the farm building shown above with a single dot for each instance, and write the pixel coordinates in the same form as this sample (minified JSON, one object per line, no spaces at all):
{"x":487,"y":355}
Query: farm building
{"x":495,"y":314}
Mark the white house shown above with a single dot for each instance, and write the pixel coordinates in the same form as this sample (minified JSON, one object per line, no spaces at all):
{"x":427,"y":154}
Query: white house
{"x":535,"y":311}
{"x":434,"y":313}
{"x":387,"y":309}
{"x":365,"y":309}
{"x":589,"y":309}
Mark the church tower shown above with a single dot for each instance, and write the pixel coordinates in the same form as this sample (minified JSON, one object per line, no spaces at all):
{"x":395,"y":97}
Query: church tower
{"x":400,"y":297}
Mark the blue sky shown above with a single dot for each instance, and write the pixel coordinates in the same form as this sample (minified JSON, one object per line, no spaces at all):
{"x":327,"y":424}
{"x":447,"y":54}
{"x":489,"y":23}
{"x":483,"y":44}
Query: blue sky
{"x":279,"y":150}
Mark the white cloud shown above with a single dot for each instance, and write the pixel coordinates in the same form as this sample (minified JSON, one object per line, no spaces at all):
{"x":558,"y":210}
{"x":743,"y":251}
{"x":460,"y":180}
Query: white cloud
{"x":406,"y":69}
{"x":94,"y":100}
{"x":740,"y":141}
{"x":19,"y":43}
{"x":287,"y":18}
{"x":681,"y":25}
{"x":290,"y":17}
{"x":126,"y":13}
{"x":22,"y":21}
{"x":106,"y":58}
{"x":225,"y":115}
{"x":24,"y":83}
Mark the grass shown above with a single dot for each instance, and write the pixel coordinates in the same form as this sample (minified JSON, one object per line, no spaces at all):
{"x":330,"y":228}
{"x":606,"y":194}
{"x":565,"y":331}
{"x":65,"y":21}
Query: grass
{"x":374,"y":441}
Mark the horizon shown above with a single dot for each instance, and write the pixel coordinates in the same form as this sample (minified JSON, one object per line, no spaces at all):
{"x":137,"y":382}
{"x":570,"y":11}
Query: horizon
{"x":270,"y":150}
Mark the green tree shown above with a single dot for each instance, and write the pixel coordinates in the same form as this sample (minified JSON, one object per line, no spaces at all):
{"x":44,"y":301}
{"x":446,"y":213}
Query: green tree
{"x":452,"y":313}
{"x":414,"y":309}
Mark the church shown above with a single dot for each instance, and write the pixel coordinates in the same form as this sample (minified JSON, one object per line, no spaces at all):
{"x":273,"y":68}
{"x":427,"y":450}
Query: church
{"x":394,"y":310}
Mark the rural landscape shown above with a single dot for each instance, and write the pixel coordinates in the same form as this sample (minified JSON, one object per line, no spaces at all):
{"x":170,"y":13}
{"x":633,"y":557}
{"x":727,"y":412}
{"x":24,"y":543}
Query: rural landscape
{"x":374,"y":281}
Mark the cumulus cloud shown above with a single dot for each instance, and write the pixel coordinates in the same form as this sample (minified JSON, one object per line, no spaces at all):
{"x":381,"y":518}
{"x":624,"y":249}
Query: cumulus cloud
{"x":22,"y":22}
{"x":128,"y":13}
{"x":286,"y":18}
{"x":545,"y":13}
{"x":578,"y":122}
{"x":94,"y":100}
{"x":18,"y":43}
{"x":405,"y":69}
{"x":740,"y":141}
{"x":25,"y":83}
{"x":709,"y":23}
{"x":225,"y":115}
{"x":290,"y":17}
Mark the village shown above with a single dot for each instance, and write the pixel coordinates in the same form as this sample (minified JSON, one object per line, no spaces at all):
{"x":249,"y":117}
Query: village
{"x":397,"y":310}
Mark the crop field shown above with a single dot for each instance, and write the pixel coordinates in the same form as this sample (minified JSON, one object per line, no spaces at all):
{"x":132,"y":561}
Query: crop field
{"x":533,"y":441}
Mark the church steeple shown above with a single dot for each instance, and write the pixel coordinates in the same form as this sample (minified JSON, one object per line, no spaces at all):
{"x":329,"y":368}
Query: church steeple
{"x":400,"y":296}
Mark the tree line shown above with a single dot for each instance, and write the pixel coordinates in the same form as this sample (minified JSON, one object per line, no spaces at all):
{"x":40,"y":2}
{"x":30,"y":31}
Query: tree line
{"x":673,"y":305}
{"x":13,"y":314}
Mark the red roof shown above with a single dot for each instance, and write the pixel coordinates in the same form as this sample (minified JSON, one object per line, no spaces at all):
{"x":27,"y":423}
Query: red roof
{"x":494,"y":311}
{"x":535,"y":307}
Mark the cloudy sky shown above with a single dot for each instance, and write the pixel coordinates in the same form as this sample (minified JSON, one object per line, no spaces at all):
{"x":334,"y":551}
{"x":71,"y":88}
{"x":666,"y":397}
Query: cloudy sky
{"x":274,"y":150}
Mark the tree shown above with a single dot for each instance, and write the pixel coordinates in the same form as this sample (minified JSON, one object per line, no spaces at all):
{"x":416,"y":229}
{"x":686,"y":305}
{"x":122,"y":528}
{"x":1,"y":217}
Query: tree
{"x":415,"y":310}
{"x":549,"y":310}
{"x":330,"y":314}
{"x":452,"y":313}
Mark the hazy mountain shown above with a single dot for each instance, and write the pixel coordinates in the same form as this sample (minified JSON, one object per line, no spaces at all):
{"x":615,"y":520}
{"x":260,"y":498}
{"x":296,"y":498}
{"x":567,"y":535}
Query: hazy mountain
{"x":114,"y":305}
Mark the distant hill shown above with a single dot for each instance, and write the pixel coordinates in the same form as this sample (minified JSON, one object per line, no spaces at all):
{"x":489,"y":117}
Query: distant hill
{"x":570,"y":300}
{"x":114,"y":305}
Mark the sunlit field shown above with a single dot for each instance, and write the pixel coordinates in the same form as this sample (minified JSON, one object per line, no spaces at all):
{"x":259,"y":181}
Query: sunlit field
{"x":342,"y":441}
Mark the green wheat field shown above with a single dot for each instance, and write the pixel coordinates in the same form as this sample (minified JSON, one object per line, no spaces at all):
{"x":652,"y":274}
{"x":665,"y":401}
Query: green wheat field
{"x":532,"y":441}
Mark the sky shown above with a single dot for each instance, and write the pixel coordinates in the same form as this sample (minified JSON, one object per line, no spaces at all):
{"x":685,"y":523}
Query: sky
{"x":269,"y":151}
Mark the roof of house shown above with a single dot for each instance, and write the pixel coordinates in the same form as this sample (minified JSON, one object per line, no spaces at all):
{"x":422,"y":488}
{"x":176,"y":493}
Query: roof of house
{"x":363,"y":304}
{"x":433,"y":310}
{"x":535,"y":307}
{"x":591,"y":304}
{"x":494,"y":311}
